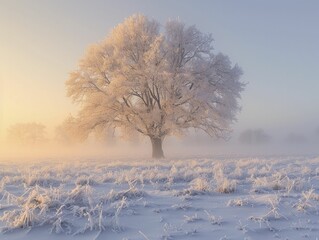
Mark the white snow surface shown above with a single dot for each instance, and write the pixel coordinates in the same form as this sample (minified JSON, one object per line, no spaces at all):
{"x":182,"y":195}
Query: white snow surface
{"x":142,"y":199}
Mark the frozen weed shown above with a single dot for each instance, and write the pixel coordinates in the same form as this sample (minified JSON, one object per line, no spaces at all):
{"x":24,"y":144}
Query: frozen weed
{"x":84,"y":180}
{"x":182,"y":206}
{"x":223,"y":184}
{"x":61,"y":226}
{"x":9,"y":198}
{"x":144,"y":236}
{"x":239,"y":202}
{"x":119,"y":207}
{"x":81,"y":196}
{"x":26,"y":217}
{"x":170,"y":231}
{"x":305,"y":204}
{"x":274,"y":209}
{"x":200,"y":184}
{"x":242,"y":227}
{"x":131,"y":193}
{"x":226,"y":186}
{"x":262,"y":221}
{"x":192,"y":218}
{"x":214,"y":220}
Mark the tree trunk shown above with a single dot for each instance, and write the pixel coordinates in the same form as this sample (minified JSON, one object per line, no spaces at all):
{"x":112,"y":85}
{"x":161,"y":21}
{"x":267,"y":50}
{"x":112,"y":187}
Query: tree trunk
{"x":157,"y":148}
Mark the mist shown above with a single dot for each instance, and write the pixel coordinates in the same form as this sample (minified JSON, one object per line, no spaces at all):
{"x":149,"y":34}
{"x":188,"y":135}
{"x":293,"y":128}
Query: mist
{"x":193,"y":145}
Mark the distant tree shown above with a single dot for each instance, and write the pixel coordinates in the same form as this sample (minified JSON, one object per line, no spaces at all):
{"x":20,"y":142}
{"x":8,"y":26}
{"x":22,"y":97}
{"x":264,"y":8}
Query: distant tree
{"x":26,"y":133}
{"x":157,"y":83}
{"x":254,"y":136}
{"x":295,"y":138}
{"x":66,"y":132}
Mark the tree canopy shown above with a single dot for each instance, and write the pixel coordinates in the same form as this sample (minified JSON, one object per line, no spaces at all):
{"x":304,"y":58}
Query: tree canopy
{"x":157,"y":81}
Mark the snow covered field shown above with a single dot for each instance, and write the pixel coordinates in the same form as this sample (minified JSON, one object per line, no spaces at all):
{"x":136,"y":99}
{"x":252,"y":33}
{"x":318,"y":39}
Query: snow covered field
{"x":198,"y":198}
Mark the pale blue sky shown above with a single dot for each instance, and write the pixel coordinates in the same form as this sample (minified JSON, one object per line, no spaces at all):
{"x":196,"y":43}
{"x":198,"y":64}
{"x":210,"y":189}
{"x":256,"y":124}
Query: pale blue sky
{"x":275,"y":43}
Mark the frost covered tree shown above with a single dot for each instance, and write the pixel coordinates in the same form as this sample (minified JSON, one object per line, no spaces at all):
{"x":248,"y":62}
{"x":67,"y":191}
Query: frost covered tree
{"x":155,"y":81}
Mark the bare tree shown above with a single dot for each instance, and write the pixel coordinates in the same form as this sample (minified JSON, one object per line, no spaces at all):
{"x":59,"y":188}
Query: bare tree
{"x":26,"y":133}
{"x":157,"y":82}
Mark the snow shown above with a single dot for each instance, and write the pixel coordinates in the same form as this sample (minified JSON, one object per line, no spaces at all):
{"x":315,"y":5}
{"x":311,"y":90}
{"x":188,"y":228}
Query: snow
{"x":200,"y":198}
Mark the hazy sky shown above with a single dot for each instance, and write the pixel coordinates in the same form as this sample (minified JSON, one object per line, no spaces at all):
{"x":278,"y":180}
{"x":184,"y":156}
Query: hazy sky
{"x":275,"y":42}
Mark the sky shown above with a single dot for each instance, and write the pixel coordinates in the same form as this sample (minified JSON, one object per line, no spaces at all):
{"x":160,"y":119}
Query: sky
{"x":274,"y":42}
